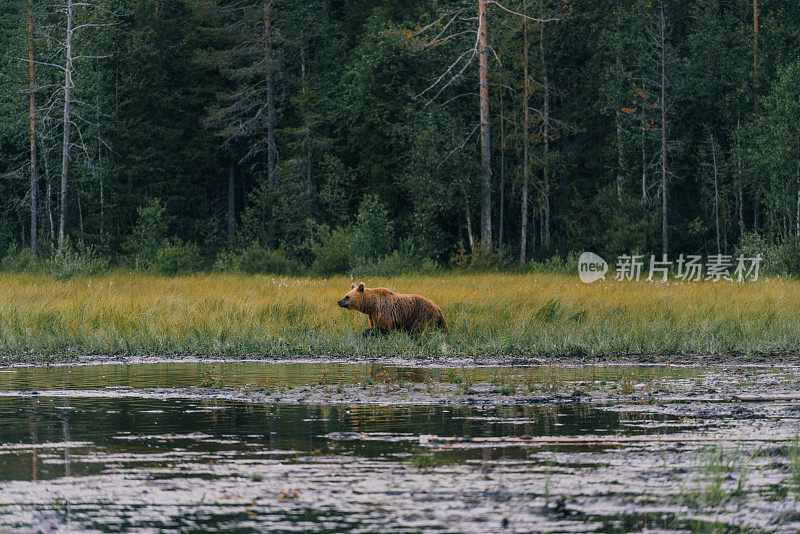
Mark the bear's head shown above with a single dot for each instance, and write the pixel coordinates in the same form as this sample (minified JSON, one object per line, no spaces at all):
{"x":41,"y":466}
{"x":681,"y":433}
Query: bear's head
{"x":352,"y":301}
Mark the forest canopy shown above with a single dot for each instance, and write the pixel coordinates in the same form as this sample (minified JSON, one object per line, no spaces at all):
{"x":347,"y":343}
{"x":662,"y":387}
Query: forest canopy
{"x":379,"y":137}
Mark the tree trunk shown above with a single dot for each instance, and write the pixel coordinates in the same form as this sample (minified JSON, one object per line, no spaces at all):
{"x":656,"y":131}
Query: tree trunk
{"x":49,"y":199}
{"x":31,"y":80}
{"x":546,"y":145}
{"x":663,"y":58}
{"x":486,"y":164}
{"x":80,"y":213}
{"x":65,"y":148}
{"x":231,"y":202}
{"x":739,"y":199}
{"x":102,"y":213}
{"x":644,"y":164}
{"x":502,"y":172}
{"x":740,"y":211}
{"x":272,"y":148}
{"x":619,"y":157}
{"x":526,"y":170}
{"x":716,"y":187}
{"x":306,"y":116}
{"x":756,"y":210}
{"x":470,"y":235}
{"x":755,"y":57}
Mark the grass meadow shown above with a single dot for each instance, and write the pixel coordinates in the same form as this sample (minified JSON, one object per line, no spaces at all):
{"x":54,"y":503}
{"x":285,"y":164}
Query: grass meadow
{"x":488,"y":314}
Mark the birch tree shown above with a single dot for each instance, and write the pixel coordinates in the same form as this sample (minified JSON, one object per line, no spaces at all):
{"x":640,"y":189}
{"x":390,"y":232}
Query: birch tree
{"x":93,"y":16}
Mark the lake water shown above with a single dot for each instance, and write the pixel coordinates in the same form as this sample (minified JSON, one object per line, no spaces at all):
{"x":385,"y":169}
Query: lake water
{"x":128,"y":463}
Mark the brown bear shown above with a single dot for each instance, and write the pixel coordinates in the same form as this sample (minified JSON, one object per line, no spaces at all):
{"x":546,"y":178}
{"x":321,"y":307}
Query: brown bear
{"x":387,"y":310}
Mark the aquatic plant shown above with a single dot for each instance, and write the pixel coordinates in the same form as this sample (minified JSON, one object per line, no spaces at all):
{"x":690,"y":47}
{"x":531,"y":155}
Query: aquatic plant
{"x":793,"y":453}
{"x":717,"y":465}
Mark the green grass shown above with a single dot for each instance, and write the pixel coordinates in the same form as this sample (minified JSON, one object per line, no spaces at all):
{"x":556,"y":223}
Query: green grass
{"x":717,"y":470}
{"x":488,"y":314}
{"x":793,"y":454}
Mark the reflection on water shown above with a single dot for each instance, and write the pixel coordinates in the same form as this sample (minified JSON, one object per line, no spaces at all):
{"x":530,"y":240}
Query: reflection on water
{"x":260,"y":374}
{"x":95,"y":440}
{"x":103,"y":426}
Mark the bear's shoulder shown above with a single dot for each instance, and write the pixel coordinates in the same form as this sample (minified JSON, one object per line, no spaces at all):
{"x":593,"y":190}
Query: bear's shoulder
{"x":382,"y":291}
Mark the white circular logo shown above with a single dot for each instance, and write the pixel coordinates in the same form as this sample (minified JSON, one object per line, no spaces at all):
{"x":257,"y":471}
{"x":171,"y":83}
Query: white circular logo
{"x":591,"y":267}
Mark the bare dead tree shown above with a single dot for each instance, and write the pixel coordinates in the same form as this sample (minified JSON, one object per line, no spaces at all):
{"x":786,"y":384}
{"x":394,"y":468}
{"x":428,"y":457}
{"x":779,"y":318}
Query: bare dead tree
{"x":650,"y":111}
{"x":545,"y":144}
{"x":486,"y":152}
{"x":231,"y":201}
{"x":712,"y":145}
{"x":526,"y":141}
{"x":247,"y":115}
{"x":62,"y":219}
{"x":662,"y":52}
{"x":32,"y":112}
{"x":797,"y":211}
{"x":272,"y":148}
{"x":448,"y":27}
{"x":502,"y":171}
{"x":739,"y":180}
{"x":618,"y":124}
{"x":69,"y":117}
{"x":756,"y":105}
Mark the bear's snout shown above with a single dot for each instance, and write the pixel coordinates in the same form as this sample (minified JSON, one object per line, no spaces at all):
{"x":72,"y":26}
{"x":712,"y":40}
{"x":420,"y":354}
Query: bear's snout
{"x":341,"y":303}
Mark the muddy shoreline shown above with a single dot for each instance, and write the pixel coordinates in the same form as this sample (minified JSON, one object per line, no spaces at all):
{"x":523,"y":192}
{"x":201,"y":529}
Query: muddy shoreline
{"x":719,"y":389}
{"x":735,"y":359}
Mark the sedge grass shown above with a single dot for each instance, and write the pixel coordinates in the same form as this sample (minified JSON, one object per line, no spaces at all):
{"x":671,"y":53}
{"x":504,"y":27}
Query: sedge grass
{"x":488,"y":314}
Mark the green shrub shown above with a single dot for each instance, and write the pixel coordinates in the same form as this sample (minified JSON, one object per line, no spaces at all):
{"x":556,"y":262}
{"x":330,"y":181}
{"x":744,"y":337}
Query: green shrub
{"x":256,"y":259}
{"x":175,"y":257}
{"x":336,"y":191}
{"x":555,"y":264}
{"x":776,"y":258}
{"x":72,"y":261}
{"x":478,"y":261}
{"x":227,"y":261}
{"x":333,"y":254}
{"x":292,"y":207}
{"x":374,"y":232}
{"x":19,"y":260}
{"x":394,"y":264}
{"x":149,"y":234}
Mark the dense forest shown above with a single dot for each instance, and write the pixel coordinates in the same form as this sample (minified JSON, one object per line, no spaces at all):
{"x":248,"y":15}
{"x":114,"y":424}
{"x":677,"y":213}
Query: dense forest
{"x":397,"y":135}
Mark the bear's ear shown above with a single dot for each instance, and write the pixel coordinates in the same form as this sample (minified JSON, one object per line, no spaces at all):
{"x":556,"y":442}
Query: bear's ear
{"x":352,"y":286}
{"x":361,"y":286}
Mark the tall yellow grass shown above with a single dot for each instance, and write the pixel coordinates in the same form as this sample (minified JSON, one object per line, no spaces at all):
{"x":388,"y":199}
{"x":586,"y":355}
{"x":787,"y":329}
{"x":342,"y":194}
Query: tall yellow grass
{"x":488,"y":314}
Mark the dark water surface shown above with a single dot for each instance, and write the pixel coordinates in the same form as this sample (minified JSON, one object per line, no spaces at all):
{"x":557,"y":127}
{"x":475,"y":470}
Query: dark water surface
{"x":260,"y":374}
{"x":116,"y":464}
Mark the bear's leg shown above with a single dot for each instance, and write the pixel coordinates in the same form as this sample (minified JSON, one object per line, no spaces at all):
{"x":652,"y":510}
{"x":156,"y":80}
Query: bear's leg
{"x":374,"y":331}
